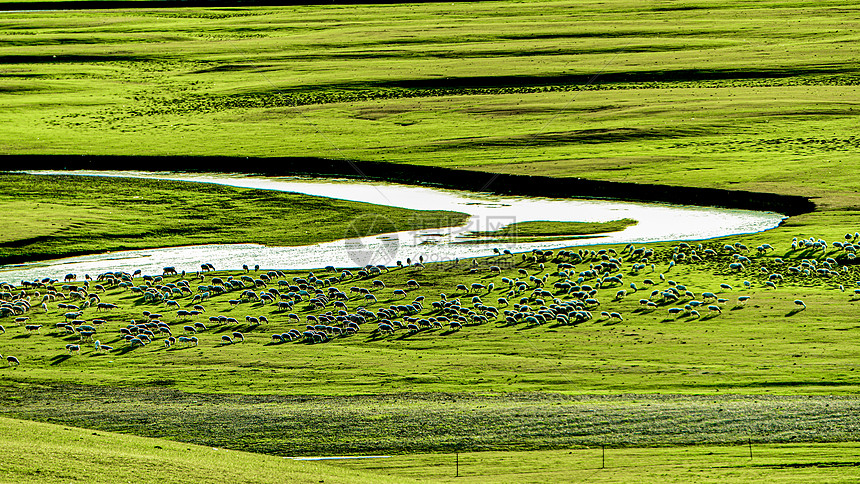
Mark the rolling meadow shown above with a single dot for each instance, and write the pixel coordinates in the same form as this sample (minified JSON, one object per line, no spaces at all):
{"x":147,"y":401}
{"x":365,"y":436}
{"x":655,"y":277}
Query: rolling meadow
{"x":744,"y":373}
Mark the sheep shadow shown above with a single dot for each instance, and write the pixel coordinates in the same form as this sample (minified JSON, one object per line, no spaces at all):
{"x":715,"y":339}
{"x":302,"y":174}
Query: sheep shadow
{"x":125,"y":349}
{"x":59,"y":359}
{"x":178,"y":348}
{"x":23,"y":336}
{"x":374,"y":337}
{"x":793,"y":312}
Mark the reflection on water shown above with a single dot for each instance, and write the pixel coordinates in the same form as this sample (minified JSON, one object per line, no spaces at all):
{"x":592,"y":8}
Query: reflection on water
{"x":657,"y":222}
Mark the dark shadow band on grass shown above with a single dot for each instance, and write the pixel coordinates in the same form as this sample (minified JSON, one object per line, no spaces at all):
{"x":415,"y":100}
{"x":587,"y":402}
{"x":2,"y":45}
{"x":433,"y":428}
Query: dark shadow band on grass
{"x":502,"y":184}
{"x":150,"y":4}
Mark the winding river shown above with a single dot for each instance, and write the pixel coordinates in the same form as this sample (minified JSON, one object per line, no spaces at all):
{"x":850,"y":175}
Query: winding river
{"x":657,"y":222}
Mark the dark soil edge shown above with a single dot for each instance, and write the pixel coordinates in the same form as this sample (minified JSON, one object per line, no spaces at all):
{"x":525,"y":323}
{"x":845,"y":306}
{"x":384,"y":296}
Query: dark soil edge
{"x":477,"y":181}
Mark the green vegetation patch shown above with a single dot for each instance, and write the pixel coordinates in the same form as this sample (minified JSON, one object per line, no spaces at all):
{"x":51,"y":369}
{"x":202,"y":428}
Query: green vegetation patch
{"x":42,"y":452}
{"x":537,"y":231}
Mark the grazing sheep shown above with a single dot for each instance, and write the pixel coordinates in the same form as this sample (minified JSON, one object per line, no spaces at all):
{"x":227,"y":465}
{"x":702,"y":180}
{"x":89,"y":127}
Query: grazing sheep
{"x":239,"y":336}
{"x":12,"y":361}
{"x":800,"y":303}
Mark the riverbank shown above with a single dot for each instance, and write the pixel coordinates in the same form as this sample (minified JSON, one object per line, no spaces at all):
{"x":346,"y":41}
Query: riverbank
{"x":54,"y":216}
{"x":476,"y":181}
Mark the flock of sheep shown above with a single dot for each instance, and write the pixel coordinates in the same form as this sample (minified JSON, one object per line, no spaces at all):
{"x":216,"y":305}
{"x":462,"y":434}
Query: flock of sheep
{"x":563,"y":287}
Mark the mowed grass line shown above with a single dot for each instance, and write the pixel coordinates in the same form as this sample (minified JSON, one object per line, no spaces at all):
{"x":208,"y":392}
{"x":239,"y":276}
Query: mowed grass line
{"x":427,"y":422}
{"x":786,"y":463}
{"x":47,"y":217}
{"x":46,"y":453}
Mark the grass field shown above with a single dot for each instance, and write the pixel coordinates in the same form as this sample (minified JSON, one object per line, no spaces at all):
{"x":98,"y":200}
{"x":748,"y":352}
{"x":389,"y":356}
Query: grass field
{"x":756,"y":96}
{"x":719,"y":86}
{"x":718,"y":464}
{"x":766,"y":369}
{"x":39,"y":452}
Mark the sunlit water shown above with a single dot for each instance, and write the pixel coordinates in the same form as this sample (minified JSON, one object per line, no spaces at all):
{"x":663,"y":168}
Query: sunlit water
{"x":657,"y":222}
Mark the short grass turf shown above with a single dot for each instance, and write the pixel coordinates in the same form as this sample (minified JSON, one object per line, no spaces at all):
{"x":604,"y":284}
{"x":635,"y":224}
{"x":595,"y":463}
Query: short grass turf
{"x":782,"y":463}
{"x":46,"y":453}
{"x":541,"y":230}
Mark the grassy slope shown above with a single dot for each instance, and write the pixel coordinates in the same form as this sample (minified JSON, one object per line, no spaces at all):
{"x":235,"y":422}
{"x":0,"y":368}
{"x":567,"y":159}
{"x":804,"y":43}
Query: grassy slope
{"x":55,"y":216}
{"x":41,"y":453}
{"x":764,"y":346}
{"x":750,"y":95}
{"x":753,"y":95}
{"x":769,"y":346}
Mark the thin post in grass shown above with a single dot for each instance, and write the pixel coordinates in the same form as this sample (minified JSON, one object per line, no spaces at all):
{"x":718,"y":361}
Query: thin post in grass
{"x":749,"y":441}
{"x":603,"y":461}
{"x":458,"y":464}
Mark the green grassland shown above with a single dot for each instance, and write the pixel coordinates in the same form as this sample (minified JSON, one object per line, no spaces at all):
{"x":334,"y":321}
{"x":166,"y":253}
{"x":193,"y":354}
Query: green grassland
{"x":754,"y":96}
{"x":767,"y":369}
{"x":39,"y":452}
{"x":749,"y":95}
{"x":767,"y":345}
{"x":541,"y":230}
{"x":713,"y":464}
{"x":47,"y":217}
